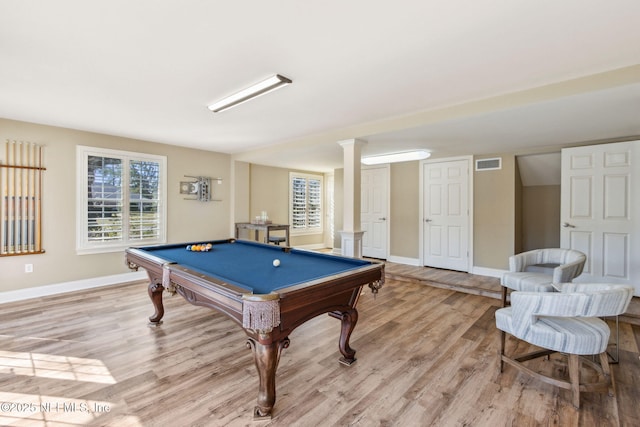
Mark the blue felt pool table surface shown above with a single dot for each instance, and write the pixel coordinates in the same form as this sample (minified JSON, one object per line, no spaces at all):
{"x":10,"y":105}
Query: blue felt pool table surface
{"x":249,"y":265}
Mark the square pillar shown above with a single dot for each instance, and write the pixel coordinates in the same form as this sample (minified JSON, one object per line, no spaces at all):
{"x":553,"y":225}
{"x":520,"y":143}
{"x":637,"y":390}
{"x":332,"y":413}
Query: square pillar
{"x":352,"y":235}
{"x":352,"y":243}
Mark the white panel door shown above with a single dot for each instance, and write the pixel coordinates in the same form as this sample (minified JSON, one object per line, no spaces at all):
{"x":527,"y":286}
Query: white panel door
{"x":446,"y":215}
{"x":374,"y":211}
{"x":599,"y":210}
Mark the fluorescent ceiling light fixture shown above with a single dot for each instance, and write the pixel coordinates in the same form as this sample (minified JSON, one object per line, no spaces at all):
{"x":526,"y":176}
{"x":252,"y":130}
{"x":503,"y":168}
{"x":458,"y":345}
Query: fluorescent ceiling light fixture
{"x":396,"y":157}
{"x":265,"y":86}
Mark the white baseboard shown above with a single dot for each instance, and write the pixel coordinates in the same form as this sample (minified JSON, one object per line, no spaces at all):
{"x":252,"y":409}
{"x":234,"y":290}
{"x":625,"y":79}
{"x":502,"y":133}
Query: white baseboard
{"x":78,"y":285}
{"x":313,"y":246}
{"x":404,"y":260}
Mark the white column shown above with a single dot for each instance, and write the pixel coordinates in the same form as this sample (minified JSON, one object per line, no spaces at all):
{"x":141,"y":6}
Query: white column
{"x":351,"y":233}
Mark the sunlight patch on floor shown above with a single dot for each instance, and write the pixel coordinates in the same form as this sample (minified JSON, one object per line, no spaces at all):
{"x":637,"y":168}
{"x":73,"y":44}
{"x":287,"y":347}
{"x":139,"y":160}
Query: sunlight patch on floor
{"x":54,"y":366}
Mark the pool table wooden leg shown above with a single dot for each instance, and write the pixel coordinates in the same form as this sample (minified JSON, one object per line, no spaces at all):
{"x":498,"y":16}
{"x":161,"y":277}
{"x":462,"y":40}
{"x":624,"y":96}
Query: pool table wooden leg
{"x":267,"y":357}
{"x":155,"y":293}
{"x":349,"y":319}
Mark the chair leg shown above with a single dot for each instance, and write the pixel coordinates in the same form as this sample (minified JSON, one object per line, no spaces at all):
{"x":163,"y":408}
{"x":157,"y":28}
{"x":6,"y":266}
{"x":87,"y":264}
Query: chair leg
{"x":616,"y":358}
{"x":574,"y":378}
{"x":504,"y":296}
{"x":606,"y":370}
{"x":502,"y":340}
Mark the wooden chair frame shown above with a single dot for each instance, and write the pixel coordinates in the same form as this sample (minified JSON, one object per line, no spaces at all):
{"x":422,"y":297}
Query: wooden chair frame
{"x":605,"y":382}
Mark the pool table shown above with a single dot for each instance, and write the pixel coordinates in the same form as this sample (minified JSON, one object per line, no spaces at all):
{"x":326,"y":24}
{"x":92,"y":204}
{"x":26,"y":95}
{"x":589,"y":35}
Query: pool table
{"x":239,"y":279}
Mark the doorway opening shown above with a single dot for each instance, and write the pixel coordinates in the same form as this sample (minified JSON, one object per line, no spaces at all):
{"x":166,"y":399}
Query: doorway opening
{"x":538,"y":201}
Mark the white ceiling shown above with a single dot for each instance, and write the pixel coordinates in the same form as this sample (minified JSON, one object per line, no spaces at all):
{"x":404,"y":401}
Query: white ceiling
{"x":454,"y":77}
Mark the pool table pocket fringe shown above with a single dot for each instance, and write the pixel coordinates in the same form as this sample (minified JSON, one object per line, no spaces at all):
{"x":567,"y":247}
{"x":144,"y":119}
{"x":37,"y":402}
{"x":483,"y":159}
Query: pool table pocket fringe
{"x":260,"y":316}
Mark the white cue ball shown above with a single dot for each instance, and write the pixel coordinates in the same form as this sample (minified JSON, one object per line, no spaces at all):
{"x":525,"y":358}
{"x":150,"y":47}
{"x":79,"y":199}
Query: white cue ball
{"x":276,"y":262}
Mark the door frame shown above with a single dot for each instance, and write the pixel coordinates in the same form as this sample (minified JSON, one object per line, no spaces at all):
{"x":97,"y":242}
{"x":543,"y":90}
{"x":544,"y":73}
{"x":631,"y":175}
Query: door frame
{"x":387,"y":167}
{"x":469,"y":160}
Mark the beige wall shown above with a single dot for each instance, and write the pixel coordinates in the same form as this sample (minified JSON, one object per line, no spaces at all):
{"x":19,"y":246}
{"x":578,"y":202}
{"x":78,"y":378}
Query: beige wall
{"x":494,"y":209}
{"x":269,"y":191}
{"x":240,"y":184}
{"x":494,"y":214}
{"x":541,"y":217}
{"x":60,"y":263}
{"x":405,"y":210}
{"x":256,"y":188}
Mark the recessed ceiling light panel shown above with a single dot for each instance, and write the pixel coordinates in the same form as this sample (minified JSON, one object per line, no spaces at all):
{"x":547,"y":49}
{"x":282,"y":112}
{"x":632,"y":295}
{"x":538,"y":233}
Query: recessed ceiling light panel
{"x":396,"y":157}
{"x":258,"y":89}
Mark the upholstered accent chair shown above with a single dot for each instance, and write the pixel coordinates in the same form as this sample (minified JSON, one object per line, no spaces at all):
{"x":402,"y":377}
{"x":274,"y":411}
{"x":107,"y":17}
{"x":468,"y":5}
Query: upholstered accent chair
{"x":568,"y":322}
{"x":530,"y":271}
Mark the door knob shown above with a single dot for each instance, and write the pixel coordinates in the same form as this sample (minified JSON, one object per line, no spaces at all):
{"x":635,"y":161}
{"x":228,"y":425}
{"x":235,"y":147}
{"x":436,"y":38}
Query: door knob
{"x":382,"y":219}
{"x":567,"y":225}
{"x":428,"y":220}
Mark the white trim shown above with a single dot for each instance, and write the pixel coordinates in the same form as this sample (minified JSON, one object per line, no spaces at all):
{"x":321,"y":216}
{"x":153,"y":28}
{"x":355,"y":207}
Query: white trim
{"x":484,"y":271}
{"x":404,"y":260}
{"x":78,"y":285}
{"x":312,"y":246}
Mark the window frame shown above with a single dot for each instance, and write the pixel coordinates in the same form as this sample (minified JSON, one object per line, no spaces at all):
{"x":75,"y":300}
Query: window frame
{"x":306,"y":230}
{"x":83,"y":245}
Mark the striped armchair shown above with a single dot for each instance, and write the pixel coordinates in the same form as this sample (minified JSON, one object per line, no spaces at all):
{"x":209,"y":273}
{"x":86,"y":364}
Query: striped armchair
{"x":524,"y":274}
{"x":568,"y":322}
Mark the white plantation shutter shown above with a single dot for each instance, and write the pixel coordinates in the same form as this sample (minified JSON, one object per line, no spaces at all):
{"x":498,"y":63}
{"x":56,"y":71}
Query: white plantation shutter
{"x":314,"y":203}
{"x":120,"y":199}
{"x":298,"y":203}
{"x":305,"y":203}
{"x":144,"y":200}
{"x":104,"y":199}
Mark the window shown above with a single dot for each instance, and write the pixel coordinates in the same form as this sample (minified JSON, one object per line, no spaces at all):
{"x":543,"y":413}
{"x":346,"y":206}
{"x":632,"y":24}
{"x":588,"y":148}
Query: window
{"x":305,"y":203}
{"x":121,"y":199}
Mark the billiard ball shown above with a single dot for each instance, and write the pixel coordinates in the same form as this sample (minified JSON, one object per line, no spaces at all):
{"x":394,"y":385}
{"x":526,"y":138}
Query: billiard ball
{"x":276,"y":262}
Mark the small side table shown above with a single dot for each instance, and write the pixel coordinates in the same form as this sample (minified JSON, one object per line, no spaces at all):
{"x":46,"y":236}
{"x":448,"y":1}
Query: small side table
{"x":266,"y":228}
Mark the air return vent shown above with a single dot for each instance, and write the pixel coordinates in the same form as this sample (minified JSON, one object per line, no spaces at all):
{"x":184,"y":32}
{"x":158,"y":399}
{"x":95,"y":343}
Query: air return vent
{"x":489,"y":164}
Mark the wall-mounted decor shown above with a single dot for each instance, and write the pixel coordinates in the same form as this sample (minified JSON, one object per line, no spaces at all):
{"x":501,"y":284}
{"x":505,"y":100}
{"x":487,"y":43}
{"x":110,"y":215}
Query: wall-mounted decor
{"x":199,"y":187}
{"x":21,"y":199}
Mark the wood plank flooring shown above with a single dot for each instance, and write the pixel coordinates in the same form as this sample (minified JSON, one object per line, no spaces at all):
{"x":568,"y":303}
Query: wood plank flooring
{"x":427,"y":356}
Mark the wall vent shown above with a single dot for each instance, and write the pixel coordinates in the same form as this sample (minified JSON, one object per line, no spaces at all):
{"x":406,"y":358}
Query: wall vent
{"x":489,"y":164}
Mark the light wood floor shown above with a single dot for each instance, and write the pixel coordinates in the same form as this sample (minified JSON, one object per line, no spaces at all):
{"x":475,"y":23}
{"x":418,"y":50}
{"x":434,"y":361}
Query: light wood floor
{"x":427,"y":356}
